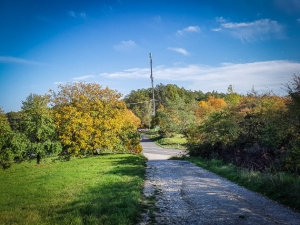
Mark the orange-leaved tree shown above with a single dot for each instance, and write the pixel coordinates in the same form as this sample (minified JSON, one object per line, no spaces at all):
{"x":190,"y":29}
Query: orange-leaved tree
{"x":212,"y":104}
{"x":90,"y":119}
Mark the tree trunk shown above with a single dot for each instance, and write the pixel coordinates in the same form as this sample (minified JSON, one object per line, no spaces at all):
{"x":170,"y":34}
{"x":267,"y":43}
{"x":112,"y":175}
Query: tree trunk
{"x":38,"y":158}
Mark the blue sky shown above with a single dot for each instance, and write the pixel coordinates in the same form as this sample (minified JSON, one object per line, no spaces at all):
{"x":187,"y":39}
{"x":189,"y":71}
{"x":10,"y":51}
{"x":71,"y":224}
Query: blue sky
{"x":198,"y":45}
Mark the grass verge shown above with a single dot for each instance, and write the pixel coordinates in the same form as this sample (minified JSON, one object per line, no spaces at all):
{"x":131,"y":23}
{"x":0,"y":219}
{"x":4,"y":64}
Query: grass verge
{"x":149,"y":208}
{"x":96,"y":190}
{"x":281,"y":187}
{"x":176,"y":142}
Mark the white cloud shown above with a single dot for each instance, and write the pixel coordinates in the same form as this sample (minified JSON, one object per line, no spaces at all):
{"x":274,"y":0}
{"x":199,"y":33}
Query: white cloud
{"x":251,"y":31}
{"x":298,"y":20}
{"x":189,"y":29}
{"x":261,"y":75}
{"x":125,"y":45}
{"x":83,"y":77}
{"x":58,"y":82}
{"x":216,"y":29}
{"x":130,"y":73}
{"x":179,"y":50}
{"x":75,"y":79}
{"x":10,"y":59}
{"x":220,"y":19}
{"x":73,"y":14}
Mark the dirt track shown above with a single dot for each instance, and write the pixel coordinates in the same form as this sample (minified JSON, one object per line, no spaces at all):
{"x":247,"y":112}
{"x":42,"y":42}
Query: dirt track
{"x":187,"y":194}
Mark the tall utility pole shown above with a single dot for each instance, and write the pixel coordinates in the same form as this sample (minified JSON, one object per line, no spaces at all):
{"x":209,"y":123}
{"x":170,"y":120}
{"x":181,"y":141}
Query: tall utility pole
{"x":151,"y":76}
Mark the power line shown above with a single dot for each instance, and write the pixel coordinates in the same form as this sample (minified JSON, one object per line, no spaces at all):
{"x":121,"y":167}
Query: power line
{"x":134,"y":103}
{"x":151,"y":76}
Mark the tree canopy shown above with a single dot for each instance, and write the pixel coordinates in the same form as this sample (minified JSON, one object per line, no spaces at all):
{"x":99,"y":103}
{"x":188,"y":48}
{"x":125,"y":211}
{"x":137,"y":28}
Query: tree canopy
{"x":92,"y":119}
{"x":39,"y":125}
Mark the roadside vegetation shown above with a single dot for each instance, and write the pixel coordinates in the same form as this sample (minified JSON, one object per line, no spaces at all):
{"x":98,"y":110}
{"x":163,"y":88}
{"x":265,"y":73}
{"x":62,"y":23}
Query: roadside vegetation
{"x":252,"y":139}
{"x":176,"y":142}
{"x":258,"y":131}
{"x":94,"y":190}
{"x":281,"y":186}
{"x":66,"y":159}
{"x":80,"y":119}
{"x":255,"y":134}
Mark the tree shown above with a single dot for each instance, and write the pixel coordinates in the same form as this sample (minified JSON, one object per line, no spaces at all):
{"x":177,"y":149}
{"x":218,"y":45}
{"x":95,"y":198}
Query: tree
{"x":293,"y":88}
{"x":176,"y":116}
{"x":15,"y":121}
{"x":293,"y":151}
{"x":140,"y":103}
{"x":211,"y":105}
{"x":39,"y":126}
{"x":6,"y":155}
{"x":232,"y":98}
{"x":91,"y":119}
{"x":129,"y":137}
{"x":220,"y":126}
{"x":169,"y":92}
{"x":146,"y":113}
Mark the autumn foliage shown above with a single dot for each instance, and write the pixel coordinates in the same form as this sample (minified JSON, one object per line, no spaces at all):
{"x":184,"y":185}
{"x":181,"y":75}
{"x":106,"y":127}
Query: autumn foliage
{"x":92,"y":119}
{"x":259,"y":132}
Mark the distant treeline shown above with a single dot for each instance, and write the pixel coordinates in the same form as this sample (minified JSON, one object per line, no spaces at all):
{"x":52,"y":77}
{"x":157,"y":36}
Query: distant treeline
{"x":259,"y":131}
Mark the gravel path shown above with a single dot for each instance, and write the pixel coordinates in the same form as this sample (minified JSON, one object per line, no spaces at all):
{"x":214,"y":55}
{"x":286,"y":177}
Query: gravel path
{"x":187,"y":194}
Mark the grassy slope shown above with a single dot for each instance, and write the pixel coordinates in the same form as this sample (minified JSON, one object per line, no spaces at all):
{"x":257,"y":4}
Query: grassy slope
{"x":97,"y":190}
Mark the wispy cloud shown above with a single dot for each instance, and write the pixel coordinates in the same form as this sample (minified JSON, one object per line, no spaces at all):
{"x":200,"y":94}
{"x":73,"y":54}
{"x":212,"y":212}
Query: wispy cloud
{"x":298,"y":20}
{"x":129,"y":73}
{"x":189,"y":29}
{"x":85,"y":77}
{"x":75,"y":79}
{"x":289,"y":6}
{"x":82,"y":15}
{"x":59,"y":82}
{"x":73,"y":14}
{"x":107,"y":9}
{"x":261,"y":75}
{"x":179,"y":50}
{"x":251,"y":31}
{"x":125,"y":45}
{"x":10,"y":59}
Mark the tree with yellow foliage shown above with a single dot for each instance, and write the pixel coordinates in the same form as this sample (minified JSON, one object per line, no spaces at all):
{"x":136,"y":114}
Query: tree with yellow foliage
{"x":212,"y":104}
{"x":92,"y":119}
{"x":129,"y":137}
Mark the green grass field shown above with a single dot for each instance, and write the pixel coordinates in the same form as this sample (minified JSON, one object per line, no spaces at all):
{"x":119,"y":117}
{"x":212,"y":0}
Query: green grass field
{"x":96,"y":190}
